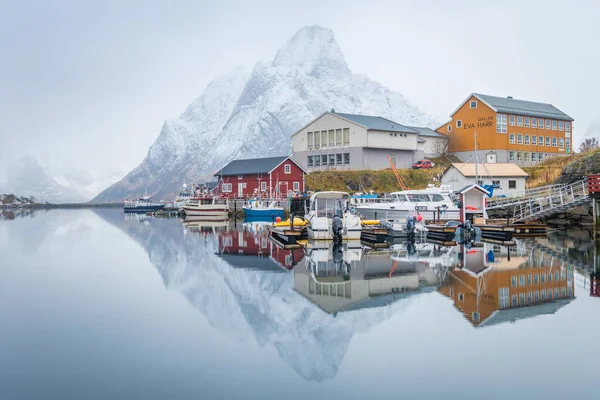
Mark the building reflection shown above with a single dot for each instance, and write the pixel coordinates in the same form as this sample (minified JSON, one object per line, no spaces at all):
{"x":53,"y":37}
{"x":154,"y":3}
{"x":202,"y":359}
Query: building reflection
{"x":248,"y":246}
{"x":348,"y":277}
{"x":493,"y":284}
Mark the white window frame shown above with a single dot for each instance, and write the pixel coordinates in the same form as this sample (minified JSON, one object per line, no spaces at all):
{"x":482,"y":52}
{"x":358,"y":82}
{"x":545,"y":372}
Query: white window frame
{"x":561,"y":143}
{"x":513,"y":180}
{"x":534,"y":140}
{"x":519,"y":156}
{"x":520,"y":138}
{"x":287,"y":168}
{"x":511,"y":156}
{"x":501,"y":126}
{"x":310,"y":143}
{"x":511,"y":138}
{"x":296,"y":186}
{"x":548,"y":141}
{"x":567,"y":126}
{"x":519,"y":120}
{"x":473,"y":104}
{"x":561,"y":125}
{"x":263,"y":186}
{"x":449,"y":128}
{"x":533,"y":122}
{"x":554,"y":125}
{"x":526,"y":141}
{"x":511,"y":120}
{"x":568,"y":143}
{"x":554,"y":142}
{"x":526,"y":121}
{"x":310,"y":162}
{"x":540,"y":142}
{"x":459,"y":123}
{"x":548,"y":124}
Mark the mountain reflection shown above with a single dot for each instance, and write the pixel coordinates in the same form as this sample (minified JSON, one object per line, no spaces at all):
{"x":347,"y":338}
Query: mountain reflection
{"x":309,"y":303}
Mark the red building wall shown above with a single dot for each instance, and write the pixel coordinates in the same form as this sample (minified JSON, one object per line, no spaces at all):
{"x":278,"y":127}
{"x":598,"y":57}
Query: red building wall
{"x":244,"y":186}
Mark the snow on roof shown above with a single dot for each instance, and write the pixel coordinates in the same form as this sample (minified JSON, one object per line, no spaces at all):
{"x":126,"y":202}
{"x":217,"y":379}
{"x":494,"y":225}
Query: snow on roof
{"x":493,"y":169}
{"x":376,"y":123}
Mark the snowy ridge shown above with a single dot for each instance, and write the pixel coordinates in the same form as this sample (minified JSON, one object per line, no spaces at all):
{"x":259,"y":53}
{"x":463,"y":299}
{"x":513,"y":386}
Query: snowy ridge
{"x":241,"y":116}
{"x":250,"y":303}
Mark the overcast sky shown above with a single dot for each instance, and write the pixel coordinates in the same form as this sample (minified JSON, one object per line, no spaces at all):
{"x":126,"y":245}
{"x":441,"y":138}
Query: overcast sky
{"x":93,"y":81}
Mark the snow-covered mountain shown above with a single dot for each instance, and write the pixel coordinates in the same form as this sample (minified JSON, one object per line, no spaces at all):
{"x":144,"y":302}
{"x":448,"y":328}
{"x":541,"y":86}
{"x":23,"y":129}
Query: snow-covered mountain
{"x":54,"y":180}
{"x":244,"y":116}
{"x":246,"y":303}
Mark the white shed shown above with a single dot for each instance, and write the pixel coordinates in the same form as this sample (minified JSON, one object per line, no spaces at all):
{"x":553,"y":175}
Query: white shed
{"x":509,"y":177}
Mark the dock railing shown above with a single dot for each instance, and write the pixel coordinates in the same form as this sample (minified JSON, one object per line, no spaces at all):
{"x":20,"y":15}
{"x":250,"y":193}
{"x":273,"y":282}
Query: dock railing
{"x":522,"y":197}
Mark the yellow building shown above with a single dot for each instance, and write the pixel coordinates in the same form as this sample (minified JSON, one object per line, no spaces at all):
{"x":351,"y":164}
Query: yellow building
{"x":507,"y":130}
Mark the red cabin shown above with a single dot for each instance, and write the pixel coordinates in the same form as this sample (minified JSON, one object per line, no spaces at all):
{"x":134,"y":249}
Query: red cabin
{"x":271,"y":177}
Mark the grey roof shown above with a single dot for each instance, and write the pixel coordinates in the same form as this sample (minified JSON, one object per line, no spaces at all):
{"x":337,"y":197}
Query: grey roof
{"x":426,"y":131}
{"x":518,"y":313}
{"x":376,"y":123}
{"x":251,"y":262}
{"x":251,"y":166}
{"x":523,"y":107}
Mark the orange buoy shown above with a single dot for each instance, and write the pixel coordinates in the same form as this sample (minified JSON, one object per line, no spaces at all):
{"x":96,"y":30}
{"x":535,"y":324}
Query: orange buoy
{"x":278,"y":219}
{"x":419,"y":218}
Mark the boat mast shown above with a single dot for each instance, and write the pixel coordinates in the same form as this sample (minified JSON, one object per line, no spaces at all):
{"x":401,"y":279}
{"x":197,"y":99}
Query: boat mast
{"x":476,"y":158}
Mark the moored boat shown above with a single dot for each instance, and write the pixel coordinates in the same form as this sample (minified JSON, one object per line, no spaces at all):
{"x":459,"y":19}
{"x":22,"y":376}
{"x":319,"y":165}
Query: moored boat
{"x":142,"y":205}
{"x":208,"y":207}
{"x":257,"y":209}
{"x":325,"y":209}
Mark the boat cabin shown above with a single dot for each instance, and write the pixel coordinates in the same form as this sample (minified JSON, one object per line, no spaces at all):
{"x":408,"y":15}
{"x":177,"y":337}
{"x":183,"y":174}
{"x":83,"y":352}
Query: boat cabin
{"x":328,"y":204}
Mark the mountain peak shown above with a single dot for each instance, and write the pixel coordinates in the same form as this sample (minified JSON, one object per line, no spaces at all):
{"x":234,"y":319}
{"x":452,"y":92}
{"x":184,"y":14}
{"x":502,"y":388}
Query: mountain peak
{"x":309,"y":49}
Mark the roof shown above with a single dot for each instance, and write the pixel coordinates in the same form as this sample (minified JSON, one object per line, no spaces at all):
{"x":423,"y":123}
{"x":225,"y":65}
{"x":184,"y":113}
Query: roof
{"x":427,"y":131}
{"x":421,"y":140}
{"x":520,"y":107}
{"x":469,"y":187}
{"x":253,"y":166}
{"x":515,"y":314}
{"x":493,"y":170}
{"x":375,"y":123}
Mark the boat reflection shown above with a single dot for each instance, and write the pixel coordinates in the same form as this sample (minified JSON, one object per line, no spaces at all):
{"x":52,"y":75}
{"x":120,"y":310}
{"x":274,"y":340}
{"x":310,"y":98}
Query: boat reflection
{"x":347,"y":277}
{"x":493,"y":284}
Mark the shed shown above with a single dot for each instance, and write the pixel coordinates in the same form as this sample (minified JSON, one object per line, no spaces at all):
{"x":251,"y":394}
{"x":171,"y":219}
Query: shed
{"x":509,"y":177}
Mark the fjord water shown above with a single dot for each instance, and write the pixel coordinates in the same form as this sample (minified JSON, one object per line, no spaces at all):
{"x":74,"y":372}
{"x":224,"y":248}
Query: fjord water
{"x":94,"y":305}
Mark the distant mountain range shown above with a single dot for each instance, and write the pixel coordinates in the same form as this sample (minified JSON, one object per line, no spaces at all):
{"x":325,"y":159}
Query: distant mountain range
{"x":243,"y":115}
{"x":54,"y":181}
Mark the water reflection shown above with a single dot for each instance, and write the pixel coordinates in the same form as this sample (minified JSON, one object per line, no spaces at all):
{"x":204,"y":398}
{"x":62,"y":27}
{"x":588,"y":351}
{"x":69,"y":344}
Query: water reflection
{"x":309,"y":304}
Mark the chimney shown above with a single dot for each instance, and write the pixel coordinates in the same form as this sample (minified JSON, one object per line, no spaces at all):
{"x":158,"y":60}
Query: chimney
{"x":333,"y":110}
{"x":509,"y":97}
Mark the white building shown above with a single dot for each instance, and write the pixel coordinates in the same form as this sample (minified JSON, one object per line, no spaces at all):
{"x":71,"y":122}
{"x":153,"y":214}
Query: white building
{"x":435,"y":144}
{"x":509,"y":177}
{"x":350,"y":141}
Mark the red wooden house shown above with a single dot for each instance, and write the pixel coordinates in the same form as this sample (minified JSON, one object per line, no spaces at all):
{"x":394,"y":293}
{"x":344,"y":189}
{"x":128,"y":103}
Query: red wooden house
{"x":270,"y":177}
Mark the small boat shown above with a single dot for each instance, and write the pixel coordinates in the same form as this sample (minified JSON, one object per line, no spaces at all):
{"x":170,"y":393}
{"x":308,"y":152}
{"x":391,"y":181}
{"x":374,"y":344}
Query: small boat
{"x":327,"y":206}
{"x":142,"y":205}
{"x":257,"y":209}
{"x":207,"y":207}
{"x":183,"y":197}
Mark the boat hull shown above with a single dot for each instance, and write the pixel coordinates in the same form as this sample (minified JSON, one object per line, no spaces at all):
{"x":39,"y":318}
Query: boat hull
{"x":144,"y":209}
{"x":208,"y":213}
{"x":266,"y":214}
{"x":402,"y":214}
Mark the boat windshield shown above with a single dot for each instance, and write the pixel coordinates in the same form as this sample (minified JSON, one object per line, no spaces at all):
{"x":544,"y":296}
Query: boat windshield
{"x":418,"y":197}
{"x":328,"y":207}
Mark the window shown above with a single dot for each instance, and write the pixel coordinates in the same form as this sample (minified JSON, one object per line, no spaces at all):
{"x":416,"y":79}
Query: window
{"x":459,"y":123}
{"x":519,"y":156}
{"x":512,"y":184}
{"x":519,"y":139}
{"x":513,"y":281}
{"x":526,"y":122}
{"x":556,"y":293}
{"x":561,"y":142}
{"x":549,"y":294}
{"x":529,"y":298}
{"x":309,"y":140}
{"x":526,"y":139}
{"x":287,"y":168}
{"x":563,"y":291}
{"x":226,"y":188}
{"x":473,"y":104}
{"x":563,"y":274}
{"x":568,"y":143}
{"x":240,"y":177}
{"x":536,"y":296}
{"x":542,"y":278}
{"x":554,"y":142}
{"x":324,"y":138}
{"x":332,"y":159}
{"x":512,"y":120}
{"x":503,"y":297}
{"x":519,"y":121}
{"x":513,"y":300}
{"x":324,"y":159}
{"x":346,"y":158}
{"x":540,"y":141}
{"x":549,"y":277}
{"x":536,"y":279}
{"x":461,"y":297}
{"x":547,"y":141}
{"x":346,"y":134}
{"x":534,"y":122}
{"x":521,"y":280}
{"x":263,"y":186}
{"x":553,"y":125}
{"x":475,"y":316}
{"x":561,"y":125}
{"x":331,"y":142}
{"x":338,"y":137}
{"x":527,"y":156}
{"x":529,"y":279}
{"x":542,"y":295}
{"x":534,"y":140}
{"x":556,"y":275}
{"x":511,"y":138}
{"x":449,"y":128}
{"x":338,"y":159}
{"x":511,"y":156}
{"x":548,"y":124}
{"x":501,"y":123}
{"x":296,"y":186}
{"x":521,"y":299}
{"x":310,"y":161}
{"x":567,"y":126}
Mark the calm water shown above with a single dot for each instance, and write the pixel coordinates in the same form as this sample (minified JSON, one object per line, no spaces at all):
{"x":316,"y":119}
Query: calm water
{"x":94,"y":305}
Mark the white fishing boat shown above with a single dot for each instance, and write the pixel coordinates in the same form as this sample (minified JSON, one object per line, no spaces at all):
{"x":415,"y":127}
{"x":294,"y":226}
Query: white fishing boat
{"x":324,"y":206}
{"x":183,"y":197}
{"x":208,"y":207}
{"x":432,"y":203}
